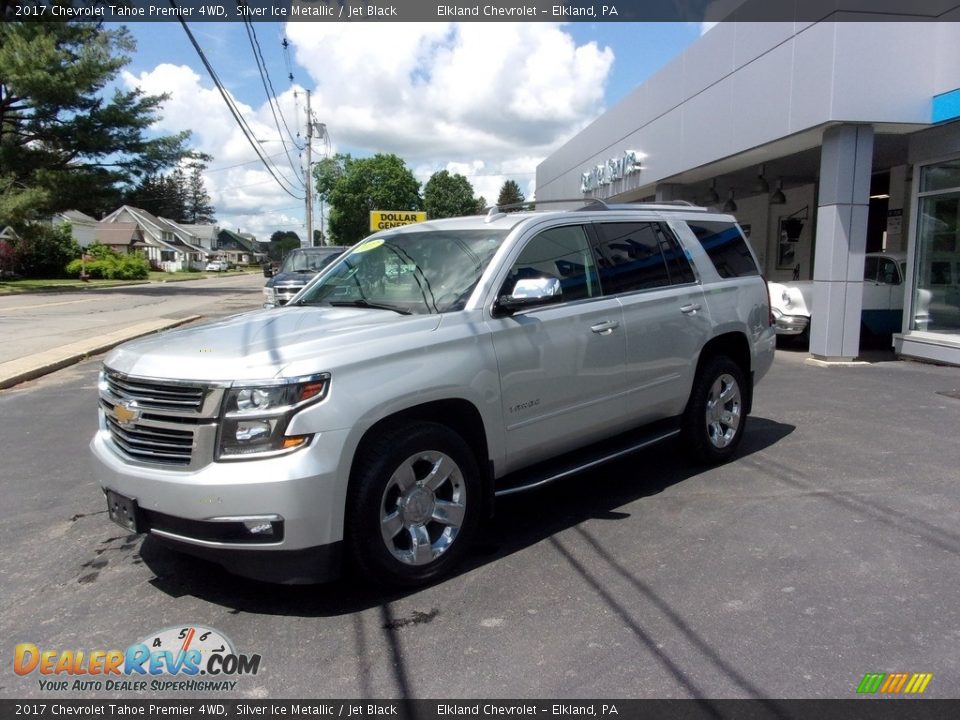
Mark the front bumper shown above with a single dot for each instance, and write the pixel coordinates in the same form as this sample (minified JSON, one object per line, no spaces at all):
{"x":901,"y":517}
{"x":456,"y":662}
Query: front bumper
{"x":202,"y":511}
{"x":789,"y":324}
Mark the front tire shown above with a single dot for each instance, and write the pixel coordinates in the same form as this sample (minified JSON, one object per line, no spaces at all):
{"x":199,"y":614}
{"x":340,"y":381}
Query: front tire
{"x":715,"y":418}
{"x":414,"y":504}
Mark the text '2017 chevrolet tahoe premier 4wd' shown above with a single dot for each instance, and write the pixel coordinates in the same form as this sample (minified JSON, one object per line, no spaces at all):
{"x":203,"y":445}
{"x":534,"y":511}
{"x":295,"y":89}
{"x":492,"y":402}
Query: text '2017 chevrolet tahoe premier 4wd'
{"x":433,"y":367}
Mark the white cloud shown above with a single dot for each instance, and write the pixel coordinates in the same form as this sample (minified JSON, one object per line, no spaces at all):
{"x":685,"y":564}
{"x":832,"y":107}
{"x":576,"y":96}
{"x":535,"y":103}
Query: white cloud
{"x":244,"y":194}
{"x":487,"y":100}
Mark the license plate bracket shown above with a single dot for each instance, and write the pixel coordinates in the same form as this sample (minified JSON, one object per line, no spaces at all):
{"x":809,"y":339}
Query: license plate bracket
{"x":122,"y":510}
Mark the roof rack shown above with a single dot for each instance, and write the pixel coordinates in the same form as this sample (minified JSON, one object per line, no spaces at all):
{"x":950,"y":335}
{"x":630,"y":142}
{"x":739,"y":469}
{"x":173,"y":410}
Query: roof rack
{"x":588,"y":204}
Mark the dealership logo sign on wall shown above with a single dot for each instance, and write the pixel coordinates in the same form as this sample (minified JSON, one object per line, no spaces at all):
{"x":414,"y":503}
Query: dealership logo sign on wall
{"x":612,"y":170}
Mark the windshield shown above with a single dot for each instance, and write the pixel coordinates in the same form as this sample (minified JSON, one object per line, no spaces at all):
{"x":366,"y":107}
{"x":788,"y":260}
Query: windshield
{"x":409,"y":272}
{"x":299,"y":261}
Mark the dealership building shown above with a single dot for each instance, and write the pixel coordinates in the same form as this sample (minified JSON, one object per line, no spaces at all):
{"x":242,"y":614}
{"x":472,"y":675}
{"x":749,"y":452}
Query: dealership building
{"x":826,"y":140}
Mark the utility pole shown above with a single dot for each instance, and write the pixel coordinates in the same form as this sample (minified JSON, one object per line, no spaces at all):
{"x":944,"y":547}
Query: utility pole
{"x":309,"y":198}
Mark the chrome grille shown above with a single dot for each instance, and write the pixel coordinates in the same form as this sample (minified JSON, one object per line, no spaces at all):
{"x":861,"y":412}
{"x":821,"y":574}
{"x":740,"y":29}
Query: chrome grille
{"x":156,"y":395}
{"x":152,"y":444}
{"x":160,"y":422}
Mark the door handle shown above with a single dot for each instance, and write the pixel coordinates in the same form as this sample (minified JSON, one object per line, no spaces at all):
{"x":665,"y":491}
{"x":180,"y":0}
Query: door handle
{"x":604,"y":328}
{"x":690,"y":309}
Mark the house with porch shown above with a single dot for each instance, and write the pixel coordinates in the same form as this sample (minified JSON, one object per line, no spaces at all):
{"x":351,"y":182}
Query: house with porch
{"x":168,"y":246}
{"x":239,"y":248}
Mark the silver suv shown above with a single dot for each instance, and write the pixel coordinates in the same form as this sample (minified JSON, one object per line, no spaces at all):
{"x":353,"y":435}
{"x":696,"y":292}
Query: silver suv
{"x":433,"y":368}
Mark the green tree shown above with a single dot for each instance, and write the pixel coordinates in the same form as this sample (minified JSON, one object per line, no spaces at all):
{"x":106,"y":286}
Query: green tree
{"x":282,"y":242}
{"x":447,"y":195}
{"x":509,"y":194}
{"x":199,"y":206}
{"x":63,"y":144}
{"x":481,"y":205}
{"x":352,"y":187}
{"x":41,"y":250}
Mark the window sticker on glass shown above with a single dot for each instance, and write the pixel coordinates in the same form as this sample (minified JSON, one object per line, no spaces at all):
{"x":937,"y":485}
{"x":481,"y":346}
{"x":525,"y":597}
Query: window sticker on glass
{"x":373,"y":244}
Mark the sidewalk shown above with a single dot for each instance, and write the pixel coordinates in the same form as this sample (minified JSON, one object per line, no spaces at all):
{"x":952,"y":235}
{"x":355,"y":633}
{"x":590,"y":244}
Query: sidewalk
{"x":37,"y":364}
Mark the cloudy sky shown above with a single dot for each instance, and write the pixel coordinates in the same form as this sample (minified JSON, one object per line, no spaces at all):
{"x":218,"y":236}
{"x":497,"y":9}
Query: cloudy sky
{"x":487,"y":100}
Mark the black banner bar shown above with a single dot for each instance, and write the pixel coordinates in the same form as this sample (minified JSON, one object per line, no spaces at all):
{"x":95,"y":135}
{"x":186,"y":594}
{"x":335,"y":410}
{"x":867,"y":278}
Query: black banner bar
{"x":481,"y":11}
{"x":854,"y":709}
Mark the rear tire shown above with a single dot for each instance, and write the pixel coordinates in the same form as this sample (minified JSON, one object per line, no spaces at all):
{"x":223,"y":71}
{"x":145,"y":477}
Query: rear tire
{"x":715,"y":418}
{"x":414,"y":505}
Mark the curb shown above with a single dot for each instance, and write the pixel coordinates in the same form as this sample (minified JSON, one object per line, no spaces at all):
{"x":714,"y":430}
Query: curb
{"x":17,"y":371}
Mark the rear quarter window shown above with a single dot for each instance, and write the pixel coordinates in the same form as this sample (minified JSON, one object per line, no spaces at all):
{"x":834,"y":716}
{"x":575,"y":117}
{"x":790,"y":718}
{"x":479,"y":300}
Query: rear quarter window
{"x":726,"y":247}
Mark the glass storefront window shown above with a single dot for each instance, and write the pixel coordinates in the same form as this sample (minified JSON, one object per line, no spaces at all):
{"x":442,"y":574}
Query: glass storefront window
{"x":943,"y":176}
{"x":936,"y":296}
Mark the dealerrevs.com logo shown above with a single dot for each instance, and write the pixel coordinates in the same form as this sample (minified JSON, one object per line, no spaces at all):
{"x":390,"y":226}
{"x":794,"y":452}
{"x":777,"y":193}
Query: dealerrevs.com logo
{"x":186,"y":658}
{"x":894,"y":683}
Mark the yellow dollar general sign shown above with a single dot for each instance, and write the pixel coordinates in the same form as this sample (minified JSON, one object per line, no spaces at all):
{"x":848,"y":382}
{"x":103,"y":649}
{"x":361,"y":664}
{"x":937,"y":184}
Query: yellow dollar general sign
{"x":386,"y":219}
{"x":895,"y":683}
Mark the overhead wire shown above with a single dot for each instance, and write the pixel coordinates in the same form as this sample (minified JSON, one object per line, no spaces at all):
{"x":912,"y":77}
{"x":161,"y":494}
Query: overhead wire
{"x":268,"y":88}
{"x":233,"y":109}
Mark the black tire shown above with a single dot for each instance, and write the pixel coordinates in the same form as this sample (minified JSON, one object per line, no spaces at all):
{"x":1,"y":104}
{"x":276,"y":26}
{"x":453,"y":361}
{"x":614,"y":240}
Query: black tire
{"x":421,"y":481}
{"x":710,"y":430}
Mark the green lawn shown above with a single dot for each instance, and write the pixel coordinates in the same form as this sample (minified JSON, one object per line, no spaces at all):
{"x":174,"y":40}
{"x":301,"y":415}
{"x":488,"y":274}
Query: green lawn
{"x":13,"y":287}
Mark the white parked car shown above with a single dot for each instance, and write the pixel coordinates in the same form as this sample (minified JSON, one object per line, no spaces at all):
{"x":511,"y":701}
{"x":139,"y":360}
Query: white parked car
{"x":883,"y":291}
{"x":217,"y":266}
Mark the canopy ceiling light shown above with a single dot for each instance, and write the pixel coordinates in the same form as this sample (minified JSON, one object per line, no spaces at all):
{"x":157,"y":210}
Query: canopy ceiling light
{"x":778,"y":198}
{"x":730,"y":206}
{"x":762,"y":187}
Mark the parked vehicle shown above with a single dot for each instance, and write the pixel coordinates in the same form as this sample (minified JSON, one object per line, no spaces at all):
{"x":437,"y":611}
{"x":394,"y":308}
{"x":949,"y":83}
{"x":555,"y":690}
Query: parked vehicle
{"x":217,"y":266}
{"x":433,"y":368}
{"x":883,"y":291}
{"x":299,"y":267}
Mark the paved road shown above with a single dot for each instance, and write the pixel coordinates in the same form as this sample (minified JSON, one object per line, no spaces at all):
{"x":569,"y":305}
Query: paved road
{"x":34,"y":322}
{"x":827,"y":550}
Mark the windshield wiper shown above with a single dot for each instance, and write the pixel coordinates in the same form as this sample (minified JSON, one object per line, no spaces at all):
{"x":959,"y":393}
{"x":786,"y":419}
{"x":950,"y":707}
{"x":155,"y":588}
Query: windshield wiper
{"x":361,"y":303}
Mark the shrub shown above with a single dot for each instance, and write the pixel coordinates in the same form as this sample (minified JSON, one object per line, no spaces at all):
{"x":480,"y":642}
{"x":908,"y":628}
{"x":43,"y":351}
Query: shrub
{"x":42,"y":251}
{"x":110,"y":265}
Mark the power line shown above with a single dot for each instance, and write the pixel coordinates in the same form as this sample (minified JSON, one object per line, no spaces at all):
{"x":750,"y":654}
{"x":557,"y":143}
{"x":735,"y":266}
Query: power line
{"x":268,"y":87}
{"x":230,"y":105}
{"x":245,"y":162}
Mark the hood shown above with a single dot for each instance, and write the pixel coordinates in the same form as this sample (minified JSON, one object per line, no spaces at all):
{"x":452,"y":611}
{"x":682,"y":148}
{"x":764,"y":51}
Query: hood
{"x":260,"y":344}
{"x":291,"y":278}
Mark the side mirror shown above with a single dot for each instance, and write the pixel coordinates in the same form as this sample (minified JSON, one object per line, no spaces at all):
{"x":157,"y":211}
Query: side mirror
{"x":530,"y":292}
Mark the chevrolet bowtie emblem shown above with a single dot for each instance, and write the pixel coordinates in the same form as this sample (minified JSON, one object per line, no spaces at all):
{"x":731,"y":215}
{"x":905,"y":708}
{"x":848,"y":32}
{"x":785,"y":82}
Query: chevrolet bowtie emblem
{"x":126,"y":414}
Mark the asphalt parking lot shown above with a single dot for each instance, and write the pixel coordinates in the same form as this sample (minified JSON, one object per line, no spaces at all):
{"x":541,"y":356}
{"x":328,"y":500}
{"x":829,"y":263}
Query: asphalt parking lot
{"x":828,"y":549}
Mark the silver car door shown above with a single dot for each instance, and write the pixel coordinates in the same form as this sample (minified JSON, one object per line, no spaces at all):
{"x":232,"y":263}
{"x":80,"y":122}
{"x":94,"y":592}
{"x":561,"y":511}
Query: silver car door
{"x":560,"y":364}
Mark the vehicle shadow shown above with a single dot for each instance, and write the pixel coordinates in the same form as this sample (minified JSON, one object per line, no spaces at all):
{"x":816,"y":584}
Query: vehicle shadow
{"x":520,"y":522}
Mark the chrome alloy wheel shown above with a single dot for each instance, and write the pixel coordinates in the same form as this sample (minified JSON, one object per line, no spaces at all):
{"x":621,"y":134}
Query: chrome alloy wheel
{"x":423,"y":507}
{"x":723,"y":411}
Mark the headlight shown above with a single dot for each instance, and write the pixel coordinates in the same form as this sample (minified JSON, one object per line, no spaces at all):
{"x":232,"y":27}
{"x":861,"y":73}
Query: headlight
{"x":269,"y":294}
{"x":256,"y":416}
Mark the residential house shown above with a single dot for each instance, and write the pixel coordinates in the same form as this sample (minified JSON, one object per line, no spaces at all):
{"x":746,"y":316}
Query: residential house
{"x":239,"y":248}
{"x":82,"y":226}
{"x":168,"y":245}
{"x":206,"y":235}
{"x":121,"y":237}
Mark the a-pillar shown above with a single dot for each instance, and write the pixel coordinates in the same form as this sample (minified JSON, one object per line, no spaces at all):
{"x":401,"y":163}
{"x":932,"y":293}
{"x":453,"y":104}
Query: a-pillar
{"x":846,"y":160}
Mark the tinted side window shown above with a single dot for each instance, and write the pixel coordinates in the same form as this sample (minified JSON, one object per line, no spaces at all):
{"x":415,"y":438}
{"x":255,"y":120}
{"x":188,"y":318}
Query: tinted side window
{"x":887,"y":272}
{"x":677,"y":263}
{"x":726,"y":247}
{"x":639,"y":256}
{"x":563,"y":253}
